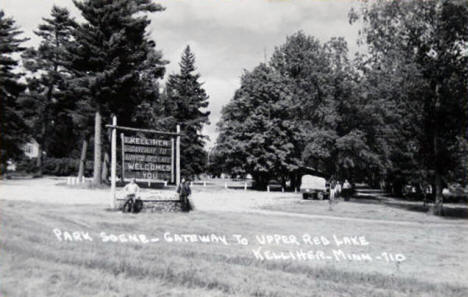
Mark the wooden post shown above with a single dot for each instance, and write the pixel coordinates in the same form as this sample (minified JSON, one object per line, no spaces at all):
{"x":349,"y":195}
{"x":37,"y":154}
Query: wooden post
{"x":122,"y":168}
{"x":97,"y":149}
{"x":113,"y":161}
{"x":178,"y":156}
{"x":172,"y":160}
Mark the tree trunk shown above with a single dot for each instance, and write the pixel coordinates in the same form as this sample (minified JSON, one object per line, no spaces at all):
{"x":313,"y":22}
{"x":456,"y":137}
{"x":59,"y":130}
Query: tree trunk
{"x":97,"y":149}
{"x":39,"y":160}
{"x":105,"y":167}
{"x":84,"y":148}
{"x":439,"y":199}
{"x":438,"y":205}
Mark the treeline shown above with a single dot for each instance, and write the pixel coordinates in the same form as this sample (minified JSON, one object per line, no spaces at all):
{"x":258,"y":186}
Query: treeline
{"x":63,"y":91}
{"x":396,"y":113}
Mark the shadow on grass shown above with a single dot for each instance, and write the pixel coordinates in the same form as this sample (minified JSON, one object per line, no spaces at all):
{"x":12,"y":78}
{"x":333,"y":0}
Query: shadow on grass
{"x":450,"y":210}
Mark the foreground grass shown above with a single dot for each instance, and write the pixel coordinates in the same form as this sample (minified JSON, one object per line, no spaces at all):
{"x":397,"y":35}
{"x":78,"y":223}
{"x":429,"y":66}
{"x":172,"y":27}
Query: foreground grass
{"x":30,"y":251}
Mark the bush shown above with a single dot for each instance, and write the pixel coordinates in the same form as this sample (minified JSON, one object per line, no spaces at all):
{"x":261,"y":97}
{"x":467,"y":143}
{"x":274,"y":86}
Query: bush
{"x":27,"y":165}
{"x":60,"y":166}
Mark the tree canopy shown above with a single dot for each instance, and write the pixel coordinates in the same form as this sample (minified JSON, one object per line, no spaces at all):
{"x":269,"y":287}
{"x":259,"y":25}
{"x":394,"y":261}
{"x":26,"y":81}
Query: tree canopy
{"x":47,"y":102}
{"x":13,"y":129}
{"x":305,"y":113}
{"x":419,"y":48}
{"x":185,"y":103}
{"x":110,"y":57}
{"x":397,"y":110}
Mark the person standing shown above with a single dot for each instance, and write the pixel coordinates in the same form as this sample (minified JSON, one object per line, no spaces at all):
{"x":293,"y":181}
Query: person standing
{"x":338,"y":189}
{"x":346,"y":190}
{"x":184,"y":191}
{"x":332,"y":197}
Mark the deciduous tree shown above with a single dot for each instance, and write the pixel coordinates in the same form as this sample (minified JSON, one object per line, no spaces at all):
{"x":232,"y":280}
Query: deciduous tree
{"x":429,"y":41}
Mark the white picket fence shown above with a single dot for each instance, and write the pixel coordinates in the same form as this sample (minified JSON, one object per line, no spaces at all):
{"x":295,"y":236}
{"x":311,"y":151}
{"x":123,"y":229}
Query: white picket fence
{"x":73,"y":180}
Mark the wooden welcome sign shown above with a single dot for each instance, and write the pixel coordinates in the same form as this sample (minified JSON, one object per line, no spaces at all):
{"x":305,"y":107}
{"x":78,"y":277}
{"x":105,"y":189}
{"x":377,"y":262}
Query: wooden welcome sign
{"x":147,"y":159}
{"x":155,"y":158}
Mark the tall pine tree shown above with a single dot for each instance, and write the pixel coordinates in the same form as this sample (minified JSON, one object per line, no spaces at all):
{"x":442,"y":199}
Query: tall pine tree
{"x":111,"y":49}
{"x":47,"y":100}
{"x":186,"y":101}
{"x":13,"y":130}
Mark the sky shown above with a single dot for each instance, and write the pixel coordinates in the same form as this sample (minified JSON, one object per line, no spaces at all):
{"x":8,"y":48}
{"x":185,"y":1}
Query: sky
{"x":226,"y":36}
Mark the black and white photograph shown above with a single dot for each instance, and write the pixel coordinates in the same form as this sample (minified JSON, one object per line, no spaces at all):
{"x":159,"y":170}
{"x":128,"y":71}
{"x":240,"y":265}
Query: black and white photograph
{"x":264,"y":148}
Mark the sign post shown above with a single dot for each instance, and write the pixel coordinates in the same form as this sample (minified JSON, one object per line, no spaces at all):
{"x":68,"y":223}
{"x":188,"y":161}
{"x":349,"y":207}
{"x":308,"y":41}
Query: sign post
{"x":122,"y":170}
{"x":178,"y":155}
{"x":113,"y":160}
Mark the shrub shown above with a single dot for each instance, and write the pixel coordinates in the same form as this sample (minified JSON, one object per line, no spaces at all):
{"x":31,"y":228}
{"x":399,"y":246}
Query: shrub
{"x":60,"y":166}
{"x":27,"y":165}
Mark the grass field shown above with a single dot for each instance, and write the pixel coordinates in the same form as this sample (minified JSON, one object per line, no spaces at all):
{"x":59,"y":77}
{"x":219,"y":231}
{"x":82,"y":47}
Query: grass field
{"x":377,"y":209}
{"x":33,"y":262}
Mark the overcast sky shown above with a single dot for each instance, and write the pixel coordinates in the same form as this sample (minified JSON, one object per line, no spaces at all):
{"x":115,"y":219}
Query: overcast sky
{"x":227,"y":36}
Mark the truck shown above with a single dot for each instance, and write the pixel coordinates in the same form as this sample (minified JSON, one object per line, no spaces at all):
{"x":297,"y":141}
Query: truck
{"x":314,"y":187}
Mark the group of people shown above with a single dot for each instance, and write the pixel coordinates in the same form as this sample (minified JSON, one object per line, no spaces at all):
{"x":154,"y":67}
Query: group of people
{"x":339,"y":190}
{"x":134,"y":204}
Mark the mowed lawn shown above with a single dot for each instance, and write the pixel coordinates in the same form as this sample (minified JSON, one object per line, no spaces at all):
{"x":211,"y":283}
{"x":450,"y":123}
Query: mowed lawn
{"x":33,"y":262}
{"x":376,"y":209}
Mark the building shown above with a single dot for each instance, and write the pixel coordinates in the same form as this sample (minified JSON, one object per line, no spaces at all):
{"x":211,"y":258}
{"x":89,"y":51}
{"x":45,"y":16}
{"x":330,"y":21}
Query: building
{"x":31,"y":149}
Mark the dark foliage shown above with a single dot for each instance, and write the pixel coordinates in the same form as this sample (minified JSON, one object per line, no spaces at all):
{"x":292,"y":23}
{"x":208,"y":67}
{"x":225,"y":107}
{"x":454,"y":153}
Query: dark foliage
{"x":13,"y":130}
{"x":185,"y":104}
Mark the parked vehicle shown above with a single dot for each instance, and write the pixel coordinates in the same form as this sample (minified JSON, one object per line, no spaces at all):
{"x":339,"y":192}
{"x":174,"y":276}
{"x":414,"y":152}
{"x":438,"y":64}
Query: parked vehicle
{"x":413,"y":192}
{"x":455,"y":193}
{"x":275,"y":185}
{"x":451,"y":193}
{"x":314,"y":187}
